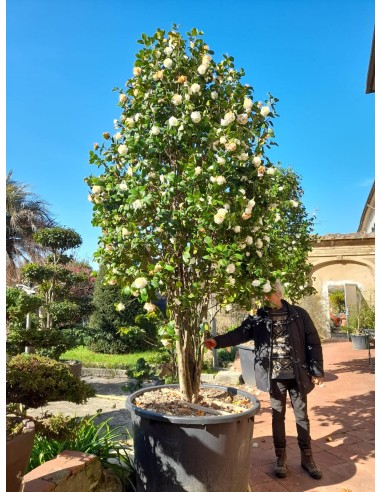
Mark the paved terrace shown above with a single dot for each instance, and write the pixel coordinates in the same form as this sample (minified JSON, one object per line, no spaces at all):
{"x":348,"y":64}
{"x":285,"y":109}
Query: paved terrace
{"x":342,"y":414}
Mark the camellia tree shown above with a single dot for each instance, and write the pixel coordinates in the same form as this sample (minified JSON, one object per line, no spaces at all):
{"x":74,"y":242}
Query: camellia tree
{"x":188,"y":203}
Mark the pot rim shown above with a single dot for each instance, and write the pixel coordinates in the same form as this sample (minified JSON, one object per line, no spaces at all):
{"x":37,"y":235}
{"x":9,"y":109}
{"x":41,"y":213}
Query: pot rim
{"x":212,"y":419}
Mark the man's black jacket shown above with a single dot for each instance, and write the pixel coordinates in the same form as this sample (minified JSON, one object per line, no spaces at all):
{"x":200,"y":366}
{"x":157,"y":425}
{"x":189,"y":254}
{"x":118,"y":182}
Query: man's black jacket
{"x":306,"y":350}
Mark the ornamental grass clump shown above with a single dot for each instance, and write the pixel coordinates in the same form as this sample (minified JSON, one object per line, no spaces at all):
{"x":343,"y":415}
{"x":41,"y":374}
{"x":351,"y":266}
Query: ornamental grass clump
{"x":188,"y":202}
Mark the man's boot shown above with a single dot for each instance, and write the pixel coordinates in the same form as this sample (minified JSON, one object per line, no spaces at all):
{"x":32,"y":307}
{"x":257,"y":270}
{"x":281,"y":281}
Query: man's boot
{"x":308,"y":464}
{"x":280,"y":469}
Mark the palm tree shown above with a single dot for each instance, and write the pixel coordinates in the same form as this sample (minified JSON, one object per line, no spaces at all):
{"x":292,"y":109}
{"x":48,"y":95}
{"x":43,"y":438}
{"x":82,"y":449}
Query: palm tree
{"x":26,"y":213}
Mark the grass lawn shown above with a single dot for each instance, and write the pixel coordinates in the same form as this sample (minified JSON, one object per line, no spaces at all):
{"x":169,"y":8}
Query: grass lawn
{"x":109,"y":361}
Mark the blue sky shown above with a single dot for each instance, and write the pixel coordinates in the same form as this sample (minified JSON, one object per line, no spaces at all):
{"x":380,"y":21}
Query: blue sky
{"x":63,"y":59}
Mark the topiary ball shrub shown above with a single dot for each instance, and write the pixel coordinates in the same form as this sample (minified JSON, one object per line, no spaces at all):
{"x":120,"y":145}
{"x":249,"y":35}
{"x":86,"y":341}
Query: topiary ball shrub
{"x":34,"y":380}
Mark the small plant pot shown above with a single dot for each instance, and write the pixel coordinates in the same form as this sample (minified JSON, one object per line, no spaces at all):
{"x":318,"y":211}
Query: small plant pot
{"x":198,"y":454}
{"x":75,"y":366}
{"x":18,"y":453}
{"x":360,"y":342}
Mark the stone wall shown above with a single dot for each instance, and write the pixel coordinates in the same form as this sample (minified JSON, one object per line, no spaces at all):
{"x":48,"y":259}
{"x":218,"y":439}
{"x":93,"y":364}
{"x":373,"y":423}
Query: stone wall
{"x":72,"y":471}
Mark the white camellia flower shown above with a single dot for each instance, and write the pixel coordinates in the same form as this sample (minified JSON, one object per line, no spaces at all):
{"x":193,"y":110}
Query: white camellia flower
{"x":259,"y":253}
{"x":251,"y":203}
{"x":267,"y":287}
{"x":123,"y":186}
{"x":137,"y":117}
{"x":243,"y":191}
{"x":242,"y":245}
{"x":220,"y":216}
{"x":158,"y":75}
{"x":220,"y":180}
{"x":194,"y":88}
{"x":137,"y":204}
{"x":228,"y":307}
{"x":161,"y":179}
{"x":173,"y":121}
{"x":247,"y":103}
{"x":271,"y":170}
{"x":130,"y":122}
{"x":265,"y":110}
{"x":120,"y":307}
{"x":212,"y":179}
{"x":255,"y":283}
{"x":137,"y":71}
{"x":294,"y":203}
{"x":277,"y":218}
{"x":155,"y":130}
{"x":130,"y":171}
{"x":202,"y":69}
{"x":231,"y":280}
{"x":206,"y":59}
{"x":168,"y":63}
{"x":177,"y":99}
{"x":140,"y":282}
{"x":237,"y":229}
{"x":196,"y":116}
{"x":242,"y":119}
{"x":168,"y":50}
{"x":125,"y":231}
{"x":281,"y":188}
{"x":122,"y":98}
{"x":259,"y":243}
{"x":223,"y":139}
{"x":96,"y":189}
{"x":231,"y":146}
{"x":117,"y":136}
{"x":90,"y":197}
{"x":123,"y":149}
{"x":257,"y":161}
{"x":228,"y":118}
{"x":197,"y":170}
{"x":243,"y":156}
{"x":266,"y":238}
{"x":220,"y":160}
{"x":149,"y":307}
{"x":249,"y":240}
{"x":214,"y":95}
{"x":230,"y":268}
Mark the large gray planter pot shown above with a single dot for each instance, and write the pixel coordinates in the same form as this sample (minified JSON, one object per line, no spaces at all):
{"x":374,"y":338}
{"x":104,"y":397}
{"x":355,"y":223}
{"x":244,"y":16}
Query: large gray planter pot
{"x":360,"y":342}
{"x":192,"y":454}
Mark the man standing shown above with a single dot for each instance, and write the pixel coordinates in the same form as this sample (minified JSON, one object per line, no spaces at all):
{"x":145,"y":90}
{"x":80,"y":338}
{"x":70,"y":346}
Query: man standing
{"x":287,"y":358}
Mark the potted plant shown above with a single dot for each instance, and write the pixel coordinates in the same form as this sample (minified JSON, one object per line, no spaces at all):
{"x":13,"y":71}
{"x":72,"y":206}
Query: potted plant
{"x":31,"y":382}
{"x":361,"y":322}
{"x":190,"y":206}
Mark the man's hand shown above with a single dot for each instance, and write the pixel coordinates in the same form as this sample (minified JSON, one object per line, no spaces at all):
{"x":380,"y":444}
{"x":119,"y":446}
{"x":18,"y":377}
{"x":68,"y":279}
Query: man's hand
{"x":210,"y":343}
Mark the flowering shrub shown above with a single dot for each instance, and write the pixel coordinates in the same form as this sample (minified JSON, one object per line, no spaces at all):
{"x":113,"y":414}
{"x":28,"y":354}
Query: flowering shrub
{"x":188,"y":202}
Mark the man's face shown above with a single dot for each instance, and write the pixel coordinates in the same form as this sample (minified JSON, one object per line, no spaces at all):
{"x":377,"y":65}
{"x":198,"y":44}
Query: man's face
{"x":273,"y":299}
